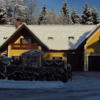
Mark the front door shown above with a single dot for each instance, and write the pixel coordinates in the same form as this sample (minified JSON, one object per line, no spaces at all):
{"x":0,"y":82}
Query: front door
{"x":75,"y":61}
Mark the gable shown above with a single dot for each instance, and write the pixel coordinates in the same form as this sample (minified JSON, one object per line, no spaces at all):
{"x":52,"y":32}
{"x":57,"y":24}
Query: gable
{"x":12,"y":38}
{"x":16,"y":35}
{"x":93,"y":43}
{"x":89,"y":36}
{"x":94,"y":37}
{"x":25,"y":34}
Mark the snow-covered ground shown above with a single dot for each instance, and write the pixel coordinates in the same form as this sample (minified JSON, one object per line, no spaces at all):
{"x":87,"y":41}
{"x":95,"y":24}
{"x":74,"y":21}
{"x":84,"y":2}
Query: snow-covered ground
{"x":78,"y":78}
{"x":84,"y":86}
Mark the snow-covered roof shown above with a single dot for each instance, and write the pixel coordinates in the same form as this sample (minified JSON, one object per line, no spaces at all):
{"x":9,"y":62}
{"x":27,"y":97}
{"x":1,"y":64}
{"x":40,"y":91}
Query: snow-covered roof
{"x":55,"y":37}
{"x":6,"y":31}
{"x":59,"y":35}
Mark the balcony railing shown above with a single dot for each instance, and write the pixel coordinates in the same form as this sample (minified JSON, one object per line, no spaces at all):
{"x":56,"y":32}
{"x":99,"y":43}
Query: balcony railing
{"x":24,"y":46}
{"x":53,"y":63}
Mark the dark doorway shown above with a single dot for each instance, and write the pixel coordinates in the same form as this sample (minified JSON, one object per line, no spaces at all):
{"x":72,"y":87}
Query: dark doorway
{"x":75,"y":61}
{"x":94,"y":63}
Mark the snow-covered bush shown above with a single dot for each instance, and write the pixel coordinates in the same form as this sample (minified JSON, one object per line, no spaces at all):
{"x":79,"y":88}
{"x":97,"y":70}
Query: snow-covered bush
{"x":37,"y":73}
{"x":2,"y":74}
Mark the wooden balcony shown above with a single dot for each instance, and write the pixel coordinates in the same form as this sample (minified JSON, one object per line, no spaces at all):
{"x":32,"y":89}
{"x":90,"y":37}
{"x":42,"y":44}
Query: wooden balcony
{"x":24,"y":46}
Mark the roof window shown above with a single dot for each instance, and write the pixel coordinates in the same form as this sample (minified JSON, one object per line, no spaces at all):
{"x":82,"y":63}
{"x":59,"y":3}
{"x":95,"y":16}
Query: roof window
{"x":4,"y":37}
{"x":50,"y":37}
{"x":70,"y":37}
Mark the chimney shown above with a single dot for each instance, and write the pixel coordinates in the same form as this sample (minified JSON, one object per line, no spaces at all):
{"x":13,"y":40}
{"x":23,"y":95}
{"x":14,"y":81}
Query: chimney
{"x":18,"y":23}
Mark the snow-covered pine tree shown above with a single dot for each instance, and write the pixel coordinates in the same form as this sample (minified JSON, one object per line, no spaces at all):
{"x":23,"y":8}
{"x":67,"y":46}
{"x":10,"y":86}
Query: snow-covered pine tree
{"x":27,"y":18}
{"x":1,"y":3}
{"x":95,"y":15}
{"x":51,"y":15}
{"x":3,"y":17}
{"x":75,"y":17}
{"x":43,"y":17}
{"x":87,"y":17}
{"x":19,"y":9}
{"x":65,"y":13}
{"x":59,"y":20}
{"x":32,"y":11}
{"x":8,"y":7}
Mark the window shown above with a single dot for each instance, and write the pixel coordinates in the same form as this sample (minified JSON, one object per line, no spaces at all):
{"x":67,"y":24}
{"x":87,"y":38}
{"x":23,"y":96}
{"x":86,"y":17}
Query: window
{"x":50,"y":37}
{"x":57,"y":58}
{"x":4,"y":37}
{"x":20,"y":40}
{"x":16,"y":59}
{"x":70,"y":37}
{"x":25,"y":40}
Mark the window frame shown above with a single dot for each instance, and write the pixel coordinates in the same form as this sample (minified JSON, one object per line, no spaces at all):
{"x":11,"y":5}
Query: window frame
{"x":57,"y":57}
{"x":16,"y":59}
{"x":25,"y":40}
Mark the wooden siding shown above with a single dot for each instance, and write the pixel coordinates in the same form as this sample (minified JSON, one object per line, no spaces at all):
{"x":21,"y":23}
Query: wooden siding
{"x":92,"y":46}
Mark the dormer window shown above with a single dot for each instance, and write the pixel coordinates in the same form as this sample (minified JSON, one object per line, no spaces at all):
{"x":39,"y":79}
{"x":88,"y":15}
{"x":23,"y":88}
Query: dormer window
{"x":71,"y":37}
{"x":50,"y":37}
{"x":4,"y":37}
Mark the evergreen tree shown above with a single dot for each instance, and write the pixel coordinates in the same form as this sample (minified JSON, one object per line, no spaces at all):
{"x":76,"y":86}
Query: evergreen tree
{"x":87,"y":15}
{"x":95,"y":14}
{"x":1,"y":3}
{"x":32,"y":11}
{"x":65,"y":13}
{"x":51,"y":16}
{"x":74,"y":16}
{"x":43,"y":17}
{"x":3,"y":17}
{"x":8,"y":7}
{"x":59,"y":20}
{"x":19,"y":9}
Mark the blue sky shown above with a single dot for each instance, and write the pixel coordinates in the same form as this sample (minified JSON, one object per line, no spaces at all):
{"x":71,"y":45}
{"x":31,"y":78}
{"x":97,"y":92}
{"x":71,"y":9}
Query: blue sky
{"x":78,"y":4}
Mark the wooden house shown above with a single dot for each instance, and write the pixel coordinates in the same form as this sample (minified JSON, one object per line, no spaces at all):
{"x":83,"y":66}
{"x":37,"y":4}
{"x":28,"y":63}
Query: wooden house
{"x":78,"y":45}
